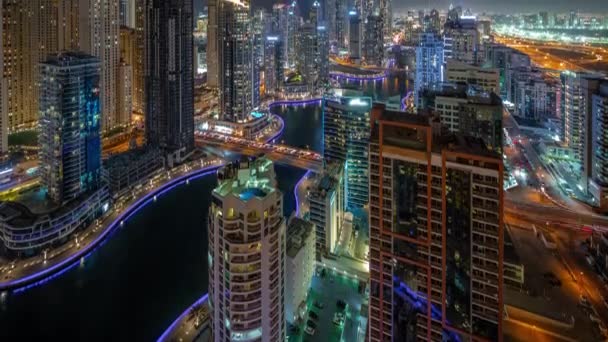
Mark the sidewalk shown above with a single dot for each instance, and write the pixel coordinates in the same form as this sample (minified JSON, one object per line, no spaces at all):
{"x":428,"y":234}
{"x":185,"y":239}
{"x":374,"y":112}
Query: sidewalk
{"x":21,"y":273}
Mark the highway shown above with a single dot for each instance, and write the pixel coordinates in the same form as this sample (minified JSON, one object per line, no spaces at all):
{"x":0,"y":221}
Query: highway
{"x":560,"y":56}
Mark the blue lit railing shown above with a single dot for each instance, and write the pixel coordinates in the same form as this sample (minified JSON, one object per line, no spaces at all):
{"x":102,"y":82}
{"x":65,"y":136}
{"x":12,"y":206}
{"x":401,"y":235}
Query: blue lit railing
{"x":52,"y":272}
{"x":170,"y":329}
{"x":353,"y":77}
{"x":412,"y":297}
{"x":302,"y":102}
{"x":295,"y":191}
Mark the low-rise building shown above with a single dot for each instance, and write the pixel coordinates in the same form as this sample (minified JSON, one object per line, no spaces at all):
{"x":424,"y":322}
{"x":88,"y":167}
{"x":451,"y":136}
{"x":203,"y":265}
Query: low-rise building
{"x":25,"y":231}
{"x":300,"y":265}
{"x":132,"y":168}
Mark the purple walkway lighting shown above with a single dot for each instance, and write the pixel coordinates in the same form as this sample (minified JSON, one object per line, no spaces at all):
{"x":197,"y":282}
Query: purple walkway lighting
{"x":47,"y":274}
{"x":170,"y":329}
{"x":302,"y":102}
{"x":350,"y":77}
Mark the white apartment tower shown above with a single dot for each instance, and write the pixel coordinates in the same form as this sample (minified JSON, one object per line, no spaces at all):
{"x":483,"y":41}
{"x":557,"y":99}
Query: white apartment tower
{"x":101,"y":41}
{"x":247,"y":239}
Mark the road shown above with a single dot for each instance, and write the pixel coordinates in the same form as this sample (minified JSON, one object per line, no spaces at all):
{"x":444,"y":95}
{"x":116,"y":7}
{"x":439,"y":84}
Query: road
{"x":540,"y":297}
{"x":305,"y":159}
{"x":560,"y":208}
{"x":560,"y":56}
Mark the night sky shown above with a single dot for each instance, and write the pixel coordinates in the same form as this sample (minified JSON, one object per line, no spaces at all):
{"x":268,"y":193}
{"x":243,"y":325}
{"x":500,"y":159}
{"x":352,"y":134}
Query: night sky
{"x":509,"y":6}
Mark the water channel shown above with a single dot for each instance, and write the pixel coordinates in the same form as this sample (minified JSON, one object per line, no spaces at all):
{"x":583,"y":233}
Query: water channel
{"x":154,"y":267}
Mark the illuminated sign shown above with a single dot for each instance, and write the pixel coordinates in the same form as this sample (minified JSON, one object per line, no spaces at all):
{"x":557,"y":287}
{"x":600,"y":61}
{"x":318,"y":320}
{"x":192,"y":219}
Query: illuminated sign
{"x":358,"y":102}
{"x":272,"y":38}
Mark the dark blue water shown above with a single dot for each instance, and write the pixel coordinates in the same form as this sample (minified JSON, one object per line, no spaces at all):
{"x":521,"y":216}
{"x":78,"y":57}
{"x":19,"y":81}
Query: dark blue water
{"x":153,"y":268}
{"x":150,"y":270}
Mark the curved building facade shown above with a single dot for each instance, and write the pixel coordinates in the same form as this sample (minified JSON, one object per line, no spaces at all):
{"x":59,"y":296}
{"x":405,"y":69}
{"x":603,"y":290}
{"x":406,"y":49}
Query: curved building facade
{"x":25,"y":232}
{"x":247,"y":254}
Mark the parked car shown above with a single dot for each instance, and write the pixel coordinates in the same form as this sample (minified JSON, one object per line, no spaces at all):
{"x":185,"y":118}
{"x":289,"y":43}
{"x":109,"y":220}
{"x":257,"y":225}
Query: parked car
{"x":341,"y":304}
{"x":313,"y":315}
{"x":594,"y":318}
{"x":584,"y":301}
{"x":309,"y":330}
{"x":318,"y":305}
{"x":338,"y":318}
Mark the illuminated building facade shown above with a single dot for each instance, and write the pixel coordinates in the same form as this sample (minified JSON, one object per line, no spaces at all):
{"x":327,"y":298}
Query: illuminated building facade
{"x":326,"y":206}
{"x":373,"y":46}
{"x":273,"y":64}
{"x":170,"y":78}
{"x":308,"y":55}
{"x":464,"y":110}
{"x":323,"y":54}
{"x":354,"y":42}
{"x":247,"y":240}
{"x":213,"y":44}
{"x":436,"y":233}
{"x":70,"y":123}
{"x":487,"y":79}
{"x":429,"y":63}
{"x":462,"y":41}
{"x":300,"y":267}
{"x":346,"y":135}
{"x":100,"y":39}
{"x":598,"y":185}
{"x":235,"y":61}
{"x":55,"y":26}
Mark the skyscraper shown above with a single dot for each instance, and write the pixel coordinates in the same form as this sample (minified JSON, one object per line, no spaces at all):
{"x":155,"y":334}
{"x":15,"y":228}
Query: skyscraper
{"x":341,"y":22}
{"x":598,"y":185}
{"x":373,"y":46}
{"x":246,"y":259}
{"x":462,"y":41}
{"x":294,"y":22}
{"x":273,"y":64}
{"x":346,"y":135}
{"x":101,"y":40}
{"x":235,"y":60}
{"x":439,"y":199}
{"x":354,"y":42}
{"x":127,"y":13}
{"x":3,"y":96}
{"x":429,"y":63}
{"x":70,"y":124}
{"x":323,"y":54}
{"x":33,"y":30}
{"x":212,"y":44}
{"x":280,"y":17}
{"x":170,"y":77}
{"x":308,"y":54}
{"x":139,"y":66}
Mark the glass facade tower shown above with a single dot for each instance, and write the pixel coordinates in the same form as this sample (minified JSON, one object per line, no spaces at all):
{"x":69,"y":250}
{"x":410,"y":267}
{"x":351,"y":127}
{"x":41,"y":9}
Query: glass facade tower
{"x":70,"y":113}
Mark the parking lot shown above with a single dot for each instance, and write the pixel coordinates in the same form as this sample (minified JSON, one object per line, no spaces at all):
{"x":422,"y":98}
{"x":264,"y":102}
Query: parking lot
{"x":326,"y":291}
{"x":549,"y":291}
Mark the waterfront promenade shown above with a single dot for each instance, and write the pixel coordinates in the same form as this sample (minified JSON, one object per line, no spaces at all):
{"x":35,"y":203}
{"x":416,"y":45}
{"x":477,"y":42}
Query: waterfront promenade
{"x":21,"y":274}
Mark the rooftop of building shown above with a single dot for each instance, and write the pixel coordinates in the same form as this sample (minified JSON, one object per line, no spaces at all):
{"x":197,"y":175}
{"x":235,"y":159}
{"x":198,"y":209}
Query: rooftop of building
{"x":247,"y":179}
{"x":34,"y":207}
{"x":462,"y":90}
{"x":415,"y":138}
{"x":298,"y":231}
{"x":131,"y":157}
{"x":328,"y":181}
{"x":70,"y":58}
